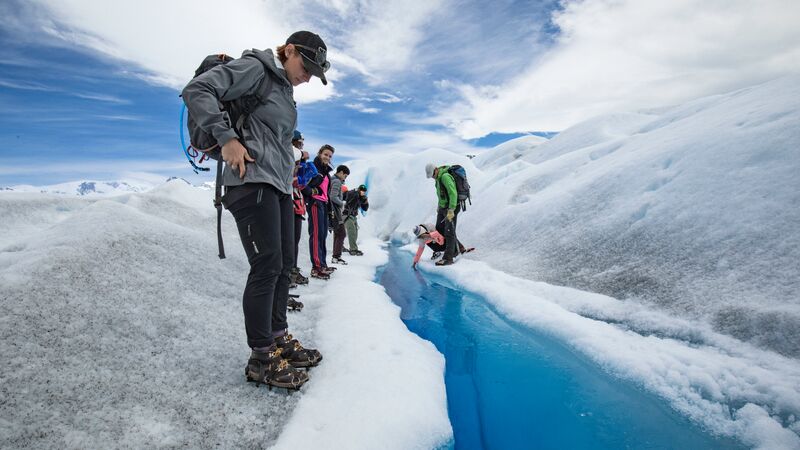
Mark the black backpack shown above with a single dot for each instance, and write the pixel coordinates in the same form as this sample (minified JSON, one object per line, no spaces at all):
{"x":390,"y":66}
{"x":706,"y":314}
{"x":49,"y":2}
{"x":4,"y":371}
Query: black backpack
{"x":238,"y":111}
{"x":459,"y":174}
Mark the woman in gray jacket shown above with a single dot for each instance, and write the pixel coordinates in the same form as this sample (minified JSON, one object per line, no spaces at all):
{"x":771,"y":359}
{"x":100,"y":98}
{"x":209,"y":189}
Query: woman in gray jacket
{"x":259,"y":161}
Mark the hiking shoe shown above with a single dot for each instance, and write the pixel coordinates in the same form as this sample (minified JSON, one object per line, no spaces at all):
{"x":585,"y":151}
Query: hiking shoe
{"x":272,"y":369}
{"x":318,"y":273}
{"x":295,"y":354}
{"x":436,"y":255}
{"x":444,"y":262}
{"x":298,"y":278}
{"x":293,"y":304}
{"x":356,"y":252}
{"x":329,"y":270}
{"x":336,"y":260}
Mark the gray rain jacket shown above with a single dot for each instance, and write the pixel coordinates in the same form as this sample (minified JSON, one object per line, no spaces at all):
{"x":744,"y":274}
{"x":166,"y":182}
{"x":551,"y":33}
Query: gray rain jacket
{"x":336,"y":199}
{"x":269,"y":129}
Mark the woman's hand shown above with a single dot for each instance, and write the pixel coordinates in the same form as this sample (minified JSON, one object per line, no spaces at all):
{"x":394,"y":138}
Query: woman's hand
{"x":235,"y":156}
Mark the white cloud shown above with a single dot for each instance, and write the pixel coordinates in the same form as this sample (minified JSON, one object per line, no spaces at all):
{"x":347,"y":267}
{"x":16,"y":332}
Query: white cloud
{"x":379,"y":37}
{"x":360,"y":107}
{"x":169,"y":39}
{"x":386,"y":97}
{"x":408,"y":141}
{"x":626,"y":54}
{"x":24,"y":85}
{"x":36,"y":86}
{"x":102,"y":98}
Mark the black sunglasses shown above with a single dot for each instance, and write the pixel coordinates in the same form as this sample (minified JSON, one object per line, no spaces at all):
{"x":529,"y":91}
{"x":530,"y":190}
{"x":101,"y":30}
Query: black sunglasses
{"x":320,"y":57}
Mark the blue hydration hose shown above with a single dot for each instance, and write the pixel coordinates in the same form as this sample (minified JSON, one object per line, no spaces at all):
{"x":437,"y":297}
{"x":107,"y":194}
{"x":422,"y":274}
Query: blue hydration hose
{"x":185,"y":148}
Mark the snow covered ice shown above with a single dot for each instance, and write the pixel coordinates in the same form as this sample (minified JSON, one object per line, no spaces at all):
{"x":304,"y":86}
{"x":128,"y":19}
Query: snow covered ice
{"x":686,"y":218}
{"x":663,"y":245}
{"x":121,"y":327}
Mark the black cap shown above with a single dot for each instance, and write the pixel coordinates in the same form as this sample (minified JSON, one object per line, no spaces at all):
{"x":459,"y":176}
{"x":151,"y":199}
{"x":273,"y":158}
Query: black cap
{"x":313,"y":60}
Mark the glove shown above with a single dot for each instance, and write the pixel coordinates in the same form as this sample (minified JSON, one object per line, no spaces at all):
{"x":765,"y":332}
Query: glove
{"x":414,"y":266}
{"x":450,"y":215}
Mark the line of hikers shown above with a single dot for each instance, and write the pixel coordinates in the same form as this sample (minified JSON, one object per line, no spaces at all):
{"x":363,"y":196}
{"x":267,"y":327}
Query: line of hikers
{"x":329,"y":205}
{"x":242,"y":111}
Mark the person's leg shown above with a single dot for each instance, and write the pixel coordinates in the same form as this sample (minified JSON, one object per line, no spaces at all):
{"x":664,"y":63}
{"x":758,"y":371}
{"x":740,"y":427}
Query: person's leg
{"x":298,"y":228}
{"x":447,"y":229}
{"x":352,"y":233}
{"x":258,"y":221}
{"x":436,"y":247}
{"x":457,"y":247}
{"x":323,"y":241}
{"x":355,"y":232}
{"x":338,"y":240}
{"x":314,"y":234}
{"x":286,"y":212}
{"x":441,"y":213}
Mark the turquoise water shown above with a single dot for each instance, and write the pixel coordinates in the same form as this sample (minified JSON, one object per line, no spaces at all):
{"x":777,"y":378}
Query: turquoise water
{"x":510,"y":387}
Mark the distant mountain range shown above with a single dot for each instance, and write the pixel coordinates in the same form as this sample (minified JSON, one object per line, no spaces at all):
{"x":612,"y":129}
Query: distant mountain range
{"x":96,"y":188}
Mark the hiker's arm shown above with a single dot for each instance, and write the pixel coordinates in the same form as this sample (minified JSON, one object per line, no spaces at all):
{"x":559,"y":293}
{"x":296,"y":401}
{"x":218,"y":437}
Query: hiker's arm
{"x":222,"y":83}
{"x":313,"y":183}
{"x":336,"y":192}
{"x":419,"y":252}
{"x":450,"y":187}
{"x":364,"y":204}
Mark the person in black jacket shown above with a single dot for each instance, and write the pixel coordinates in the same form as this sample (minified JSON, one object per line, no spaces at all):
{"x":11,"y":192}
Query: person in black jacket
{"x":353,"y":201}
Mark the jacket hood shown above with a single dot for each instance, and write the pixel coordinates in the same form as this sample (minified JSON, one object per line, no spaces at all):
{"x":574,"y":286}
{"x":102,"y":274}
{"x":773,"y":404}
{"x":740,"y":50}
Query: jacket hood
{"x":267,"y":57}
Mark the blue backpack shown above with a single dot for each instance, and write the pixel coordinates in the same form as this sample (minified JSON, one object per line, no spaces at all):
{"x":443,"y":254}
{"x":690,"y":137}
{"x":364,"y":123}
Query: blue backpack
{"x":305,"y":172}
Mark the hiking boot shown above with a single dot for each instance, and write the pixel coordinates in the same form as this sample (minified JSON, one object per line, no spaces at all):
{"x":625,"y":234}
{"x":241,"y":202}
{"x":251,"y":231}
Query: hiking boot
{"x":272,"y":369}
{"x":293,"y":304}
{"x":436,"y":255}
{"x":298,"y":278}
{"x":356,"y":252}
{"x":444,"y":262}
{"x":336,"y":260}
{"x":328,"y":270}
{"x":318,"y":273}
{"x":295,"y":354}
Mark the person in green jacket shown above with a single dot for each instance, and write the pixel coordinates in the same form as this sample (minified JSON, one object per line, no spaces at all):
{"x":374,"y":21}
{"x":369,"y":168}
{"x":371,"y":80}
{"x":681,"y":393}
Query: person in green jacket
{"x":447,"y":211}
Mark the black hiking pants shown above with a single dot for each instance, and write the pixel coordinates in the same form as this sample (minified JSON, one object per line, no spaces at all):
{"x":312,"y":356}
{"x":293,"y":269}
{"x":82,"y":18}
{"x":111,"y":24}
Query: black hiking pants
{"x":298,"y":228}
{"x":338,"y":239}
{"x":265,"y":219}
{"x":448,"y":229}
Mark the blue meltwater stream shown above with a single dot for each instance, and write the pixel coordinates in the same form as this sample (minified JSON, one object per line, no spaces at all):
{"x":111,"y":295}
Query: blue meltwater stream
{"x":511,"y":387}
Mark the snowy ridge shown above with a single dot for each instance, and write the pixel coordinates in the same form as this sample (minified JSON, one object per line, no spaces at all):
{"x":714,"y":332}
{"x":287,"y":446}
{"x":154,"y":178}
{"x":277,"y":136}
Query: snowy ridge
{"x":685,"y":218}
{"x":121,"y":327}
{"x":687,"y":209}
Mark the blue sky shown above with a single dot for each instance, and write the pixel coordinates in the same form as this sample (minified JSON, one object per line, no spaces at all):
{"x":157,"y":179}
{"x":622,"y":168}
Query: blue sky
{"x":91,"y":92}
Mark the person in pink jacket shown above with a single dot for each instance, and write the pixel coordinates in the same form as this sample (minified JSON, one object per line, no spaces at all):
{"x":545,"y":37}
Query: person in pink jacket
{"x":427,"y":235}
